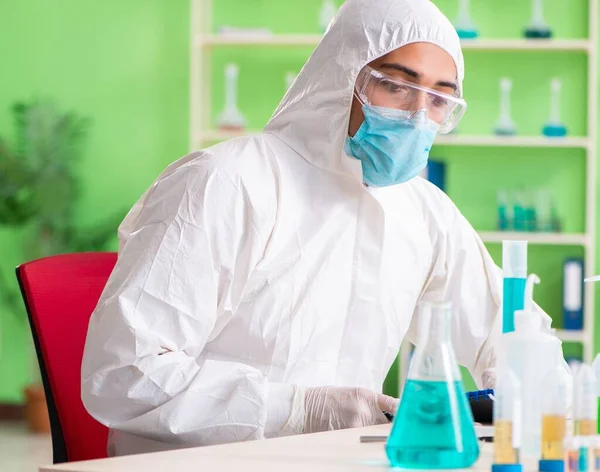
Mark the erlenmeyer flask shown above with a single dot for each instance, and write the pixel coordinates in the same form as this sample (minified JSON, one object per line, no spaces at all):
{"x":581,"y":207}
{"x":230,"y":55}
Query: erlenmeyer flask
{"x":433,"y":428}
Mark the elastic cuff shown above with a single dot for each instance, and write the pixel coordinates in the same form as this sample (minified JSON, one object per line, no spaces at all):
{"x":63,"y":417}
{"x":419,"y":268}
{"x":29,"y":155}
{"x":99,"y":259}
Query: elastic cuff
{"x":295,"y":423}
{"x":285,"y":410}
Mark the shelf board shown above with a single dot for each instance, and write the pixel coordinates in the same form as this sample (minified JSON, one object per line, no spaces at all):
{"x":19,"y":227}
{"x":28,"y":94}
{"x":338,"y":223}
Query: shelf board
{"x":568,"y":335}
{"x":222,"y":135}
{"x":258,"y":40}
{"x":557,"y":239}
{"x":239,"y":39}
{"x":527,"y":45}
{"x":512,"y":141}
{"x":445,"y":140}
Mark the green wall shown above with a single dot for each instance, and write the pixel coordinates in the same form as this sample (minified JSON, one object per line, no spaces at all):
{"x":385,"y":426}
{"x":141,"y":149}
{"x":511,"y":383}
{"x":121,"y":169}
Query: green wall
{"x":125,"y":64}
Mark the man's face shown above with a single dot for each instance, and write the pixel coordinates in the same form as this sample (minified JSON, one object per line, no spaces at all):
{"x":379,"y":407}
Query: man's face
{"x":424,"y":64}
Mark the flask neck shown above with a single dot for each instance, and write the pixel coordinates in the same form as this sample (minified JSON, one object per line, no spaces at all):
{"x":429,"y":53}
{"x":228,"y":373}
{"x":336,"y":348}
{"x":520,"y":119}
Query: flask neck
{"x":439,"y":323}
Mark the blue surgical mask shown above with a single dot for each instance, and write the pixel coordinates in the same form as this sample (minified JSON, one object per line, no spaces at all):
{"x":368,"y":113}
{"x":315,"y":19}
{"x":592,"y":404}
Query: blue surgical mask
{"x":392,"y":145}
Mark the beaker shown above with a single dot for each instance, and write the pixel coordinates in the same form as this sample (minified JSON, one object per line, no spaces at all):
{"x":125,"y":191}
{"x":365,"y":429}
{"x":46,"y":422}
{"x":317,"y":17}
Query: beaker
{"x":433,"y":428}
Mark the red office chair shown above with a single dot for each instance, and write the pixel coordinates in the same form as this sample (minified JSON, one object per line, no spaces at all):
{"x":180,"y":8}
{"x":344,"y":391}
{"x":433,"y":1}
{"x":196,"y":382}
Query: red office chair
{"x":60,"y":294}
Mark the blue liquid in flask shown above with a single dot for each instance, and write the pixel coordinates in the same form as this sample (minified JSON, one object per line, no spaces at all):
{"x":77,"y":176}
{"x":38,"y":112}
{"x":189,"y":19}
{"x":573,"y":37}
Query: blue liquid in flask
{"x":433,"y":428}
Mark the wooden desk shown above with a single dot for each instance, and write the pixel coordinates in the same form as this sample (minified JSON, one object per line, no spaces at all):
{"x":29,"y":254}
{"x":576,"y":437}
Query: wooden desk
{"x":324,"y":452}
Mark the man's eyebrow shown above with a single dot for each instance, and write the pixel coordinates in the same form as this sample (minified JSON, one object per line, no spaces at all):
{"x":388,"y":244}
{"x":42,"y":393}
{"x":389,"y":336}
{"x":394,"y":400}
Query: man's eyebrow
{"x":415,"y":75}
{"x":401,"y":68}
{"x":444,"y":83}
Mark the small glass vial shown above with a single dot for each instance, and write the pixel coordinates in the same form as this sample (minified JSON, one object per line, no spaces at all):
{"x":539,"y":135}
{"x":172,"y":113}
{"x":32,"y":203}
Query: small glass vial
{"x":554,"y":409}
{"x":572,"y":446}
{"x":507,"y":423}
{"x":595,"y":446}
{"x":585,"y":402}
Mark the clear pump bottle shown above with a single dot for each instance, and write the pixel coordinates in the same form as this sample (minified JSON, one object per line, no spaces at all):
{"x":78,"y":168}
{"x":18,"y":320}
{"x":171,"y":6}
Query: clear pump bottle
{"x":433,"y":428}
{"x":530,"y":354}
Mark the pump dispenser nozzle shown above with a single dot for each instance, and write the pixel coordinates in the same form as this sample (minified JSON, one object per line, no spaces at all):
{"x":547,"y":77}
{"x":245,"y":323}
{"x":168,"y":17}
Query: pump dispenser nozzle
{"x":532,"y":280}
{"x":526,"y":319}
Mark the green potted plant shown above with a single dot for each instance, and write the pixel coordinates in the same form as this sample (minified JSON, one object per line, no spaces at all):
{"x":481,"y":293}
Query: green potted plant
{"x":39,"y":190}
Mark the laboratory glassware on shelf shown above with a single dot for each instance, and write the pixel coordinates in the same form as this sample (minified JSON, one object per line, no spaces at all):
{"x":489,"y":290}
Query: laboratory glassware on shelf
{"x":504,"y":211}
{"x":465,"y":27}
{"x":538,"y":28}
{"x":231,"y":117}
{"x":505,"y":125}
{"x":555,"y":128}
{"x":527,"y":210}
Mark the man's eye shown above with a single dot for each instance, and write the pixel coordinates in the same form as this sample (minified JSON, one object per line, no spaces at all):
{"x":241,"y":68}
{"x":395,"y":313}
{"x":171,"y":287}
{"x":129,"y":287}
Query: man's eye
{"x":439,"y":102}
{"x":394,"y":87}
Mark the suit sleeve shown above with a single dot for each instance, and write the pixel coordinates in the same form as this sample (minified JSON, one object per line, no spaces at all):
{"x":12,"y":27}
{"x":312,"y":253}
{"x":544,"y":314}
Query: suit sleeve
{"x":180,"y":273}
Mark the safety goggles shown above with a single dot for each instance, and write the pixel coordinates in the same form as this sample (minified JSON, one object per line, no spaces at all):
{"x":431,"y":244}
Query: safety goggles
{"x":382,"y":91}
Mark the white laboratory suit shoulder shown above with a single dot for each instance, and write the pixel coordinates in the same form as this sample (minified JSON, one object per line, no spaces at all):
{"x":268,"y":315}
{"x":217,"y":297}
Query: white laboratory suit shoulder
{"x":263,"y":263}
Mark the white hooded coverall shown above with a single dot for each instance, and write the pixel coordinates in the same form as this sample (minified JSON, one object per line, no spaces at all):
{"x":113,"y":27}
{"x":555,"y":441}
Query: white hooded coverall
{"x":263,"y":263}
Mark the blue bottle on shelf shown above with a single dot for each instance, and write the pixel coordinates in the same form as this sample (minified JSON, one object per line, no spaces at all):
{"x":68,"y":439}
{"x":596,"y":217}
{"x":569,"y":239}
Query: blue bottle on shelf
{"x":538,"y":28}
{"x":555,"y":128}
{"x":464,"y":25}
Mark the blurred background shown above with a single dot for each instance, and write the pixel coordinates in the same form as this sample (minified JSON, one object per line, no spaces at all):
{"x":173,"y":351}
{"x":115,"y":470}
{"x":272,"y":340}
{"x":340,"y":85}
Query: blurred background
{"x":97,"y":98}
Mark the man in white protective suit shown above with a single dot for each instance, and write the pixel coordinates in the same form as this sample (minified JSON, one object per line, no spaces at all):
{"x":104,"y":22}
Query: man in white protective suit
{"x":264,"y":285}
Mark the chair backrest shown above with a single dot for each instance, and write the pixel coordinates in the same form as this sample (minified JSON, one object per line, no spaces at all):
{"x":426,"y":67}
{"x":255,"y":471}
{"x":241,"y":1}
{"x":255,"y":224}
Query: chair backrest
{"x":60,"y":294}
